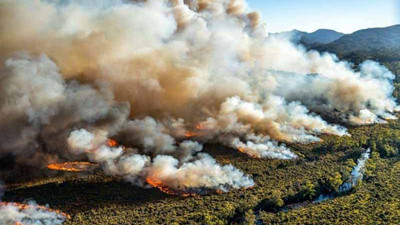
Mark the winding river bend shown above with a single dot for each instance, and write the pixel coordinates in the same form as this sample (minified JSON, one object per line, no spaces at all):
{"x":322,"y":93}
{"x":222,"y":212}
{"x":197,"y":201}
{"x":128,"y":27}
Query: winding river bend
{"x":355,"y":176}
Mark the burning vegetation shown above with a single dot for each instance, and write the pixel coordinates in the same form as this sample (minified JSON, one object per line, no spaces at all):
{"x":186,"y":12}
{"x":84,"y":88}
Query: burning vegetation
{"x":112,"y":143}
{"x":241,"y":150}
{"x":185,"y":192}
{"x":31,"y":213}
{"x":73,"y":166}
{"x":191,"y":134}
{"x":156,"y":69}
{"x":164,"y":188}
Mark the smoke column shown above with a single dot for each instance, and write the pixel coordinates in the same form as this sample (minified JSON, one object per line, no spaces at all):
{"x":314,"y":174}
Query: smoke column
{"x":30,"y":213}
{"x":11,"y":214}
{"x":193,"y":173}
{"x":153,"y":73}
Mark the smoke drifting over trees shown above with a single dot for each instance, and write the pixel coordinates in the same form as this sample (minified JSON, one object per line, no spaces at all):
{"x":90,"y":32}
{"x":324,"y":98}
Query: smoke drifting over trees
{"x":150,"y":73}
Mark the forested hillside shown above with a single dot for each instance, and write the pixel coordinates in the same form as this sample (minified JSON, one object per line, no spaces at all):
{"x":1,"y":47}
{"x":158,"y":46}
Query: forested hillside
{"x":371,"y":39}
{"x":321,"y":36}
{"x":380,"y":44}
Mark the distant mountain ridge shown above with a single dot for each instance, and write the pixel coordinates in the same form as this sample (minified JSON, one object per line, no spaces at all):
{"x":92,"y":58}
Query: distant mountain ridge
{"x":372,"y":39}
{"x":380,"y":44}
{"x":366,"y":40}
{"x":321,"y":36}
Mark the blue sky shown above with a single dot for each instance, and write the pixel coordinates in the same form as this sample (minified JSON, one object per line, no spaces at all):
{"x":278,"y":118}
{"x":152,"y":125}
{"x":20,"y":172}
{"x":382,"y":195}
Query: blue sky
{"x":341,"y":15}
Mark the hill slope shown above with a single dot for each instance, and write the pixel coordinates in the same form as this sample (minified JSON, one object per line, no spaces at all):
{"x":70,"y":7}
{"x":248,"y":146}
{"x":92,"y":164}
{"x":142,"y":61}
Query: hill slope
{"x":321,"y":36}
{"x":318,"y":37}
{"x":380,"y":44}
{"x":368,"y":40}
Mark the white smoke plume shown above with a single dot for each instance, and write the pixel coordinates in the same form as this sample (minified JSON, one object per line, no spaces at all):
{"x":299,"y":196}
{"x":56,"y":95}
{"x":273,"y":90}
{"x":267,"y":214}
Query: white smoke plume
{"x":203,"y":172}
{"x":30,"y":213}
{"x":262,"y":147}
{"x":11,"y":214}
{"x":191,"y":173}
{"x":39,"y":109}
{"x":152,"y":73}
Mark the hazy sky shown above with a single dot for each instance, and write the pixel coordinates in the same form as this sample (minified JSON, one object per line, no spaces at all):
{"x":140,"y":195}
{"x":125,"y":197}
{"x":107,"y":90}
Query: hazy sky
{"x":341,"y":15}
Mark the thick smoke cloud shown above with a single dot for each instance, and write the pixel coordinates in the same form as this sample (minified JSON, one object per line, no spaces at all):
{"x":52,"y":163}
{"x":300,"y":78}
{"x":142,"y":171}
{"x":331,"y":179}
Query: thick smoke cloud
{"x":191,"y":173}
{"x":154,"y":73}
{"x":39,"y":109}
{"x":31,"y":213}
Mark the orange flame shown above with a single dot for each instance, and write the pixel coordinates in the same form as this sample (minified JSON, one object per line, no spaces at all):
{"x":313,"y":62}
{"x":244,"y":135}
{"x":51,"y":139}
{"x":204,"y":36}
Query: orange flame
{"x":158,"y":184}
{"x":72,"y":166}
{"x":199,"y":127}
{"x":22,"y":207}
{"x":194,"y":134}
{"x":190,"y":134}
{"x":242,"y":150}
{"x":109,"y":143}
{"x":112,"y":143}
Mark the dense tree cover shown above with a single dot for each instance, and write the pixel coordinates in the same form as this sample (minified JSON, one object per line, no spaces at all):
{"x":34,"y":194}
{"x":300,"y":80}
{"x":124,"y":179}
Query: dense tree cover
{"x":96,"y":199}
{"x":379,"y":44}
{"x":375,"y":201}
